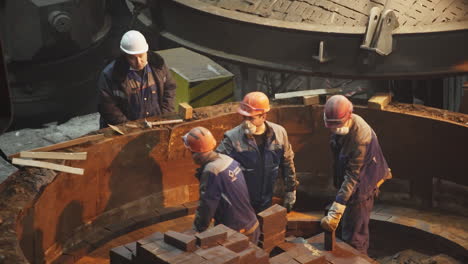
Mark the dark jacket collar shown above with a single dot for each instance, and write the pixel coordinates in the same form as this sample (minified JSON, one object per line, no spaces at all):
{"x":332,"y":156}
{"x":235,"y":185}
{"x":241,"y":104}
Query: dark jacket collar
{"x":121,"y":65}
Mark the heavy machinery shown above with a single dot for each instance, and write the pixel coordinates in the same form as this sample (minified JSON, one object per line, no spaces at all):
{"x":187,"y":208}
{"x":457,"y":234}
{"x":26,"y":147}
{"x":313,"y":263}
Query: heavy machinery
{"x":54,"y":51}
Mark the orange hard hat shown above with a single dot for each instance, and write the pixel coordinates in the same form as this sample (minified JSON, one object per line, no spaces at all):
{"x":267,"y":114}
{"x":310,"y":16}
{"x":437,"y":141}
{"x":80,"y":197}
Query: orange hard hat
{"x":199,"y":139}
{"x":254,"y":103}
{"x":338,"y":110}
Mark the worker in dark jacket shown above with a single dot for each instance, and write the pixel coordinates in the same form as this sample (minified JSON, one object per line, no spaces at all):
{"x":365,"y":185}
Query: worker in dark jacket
{"x":263,"y":149}
{"x":223,"y":191}
{"x":136,"y":85}
{"x":359,"y":170}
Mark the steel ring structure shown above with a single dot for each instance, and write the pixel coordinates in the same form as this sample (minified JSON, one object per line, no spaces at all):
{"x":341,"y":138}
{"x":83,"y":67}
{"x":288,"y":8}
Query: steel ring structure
{"x":249,"y":33}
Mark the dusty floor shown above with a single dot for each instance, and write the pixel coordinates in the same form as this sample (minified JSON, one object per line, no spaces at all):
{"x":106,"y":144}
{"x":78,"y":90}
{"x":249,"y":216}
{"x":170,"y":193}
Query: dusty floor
{"x":101,"y":255}
{"x":24,"y":139}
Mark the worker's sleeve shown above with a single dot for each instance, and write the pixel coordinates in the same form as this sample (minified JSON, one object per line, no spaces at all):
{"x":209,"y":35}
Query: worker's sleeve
{"x":351,"y":177}
{"x":287,"y":166}
{"x":169,"y":91}
{"x":225,"y":147}
{"x":107,"y":106}
{"x":210,"y":195}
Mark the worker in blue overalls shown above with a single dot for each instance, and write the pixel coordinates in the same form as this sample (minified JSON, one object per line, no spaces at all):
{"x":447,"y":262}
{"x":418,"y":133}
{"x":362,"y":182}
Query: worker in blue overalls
{"x":359,"y":170}
{"x":223,"y":191}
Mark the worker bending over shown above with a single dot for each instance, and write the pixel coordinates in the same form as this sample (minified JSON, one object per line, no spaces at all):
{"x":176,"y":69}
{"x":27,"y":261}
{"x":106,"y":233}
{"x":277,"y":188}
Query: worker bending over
{"x":263,"y":149}
{"x":223,"y":191}
{"x":359,"y":170}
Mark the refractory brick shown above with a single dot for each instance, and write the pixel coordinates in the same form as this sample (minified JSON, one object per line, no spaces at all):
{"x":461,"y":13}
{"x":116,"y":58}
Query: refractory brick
{"x":181,"y":241}
{"x":236,"y":242}
{"x":211,"y":237}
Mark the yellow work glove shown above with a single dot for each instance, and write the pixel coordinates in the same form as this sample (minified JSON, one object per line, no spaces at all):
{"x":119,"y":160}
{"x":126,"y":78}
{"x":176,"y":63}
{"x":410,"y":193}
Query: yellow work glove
{"x":331,"y":221}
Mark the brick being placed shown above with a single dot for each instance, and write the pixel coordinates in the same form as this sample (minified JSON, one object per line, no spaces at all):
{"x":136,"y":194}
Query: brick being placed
{"x":181,"y":241}
{"x":274,"y":226}
{"x":273,"y":219}
{"x":212,"y":236}
{"x":271,"y":214}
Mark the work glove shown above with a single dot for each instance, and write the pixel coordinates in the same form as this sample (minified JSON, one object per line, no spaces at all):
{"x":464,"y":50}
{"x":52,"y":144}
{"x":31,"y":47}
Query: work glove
{"x":289,"y":200}
{"x":331,"y":221}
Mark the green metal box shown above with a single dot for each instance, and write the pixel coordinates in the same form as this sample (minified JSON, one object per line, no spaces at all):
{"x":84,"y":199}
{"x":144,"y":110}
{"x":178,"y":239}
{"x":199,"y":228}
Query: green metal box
{"x":200,"y":81}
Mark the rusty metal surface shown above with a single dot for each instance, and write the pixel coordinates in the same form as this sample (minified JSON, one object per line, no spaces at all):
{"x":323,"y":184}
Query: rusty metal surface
{"x":149,"y":168}
{"x":418,"y":51}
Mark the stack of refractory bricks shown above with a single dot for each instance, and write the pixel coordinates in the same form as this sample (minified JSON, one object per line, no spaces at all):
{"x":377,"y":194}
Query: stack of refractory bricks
{"x":273,"y":222}
{"x":219,"y":244}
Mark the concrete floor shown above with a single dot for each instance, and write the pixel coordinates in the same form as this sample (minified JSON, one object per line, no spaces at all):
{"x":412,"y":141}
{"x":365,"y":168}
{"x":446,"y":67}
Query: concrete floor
{"x":24,"y":139}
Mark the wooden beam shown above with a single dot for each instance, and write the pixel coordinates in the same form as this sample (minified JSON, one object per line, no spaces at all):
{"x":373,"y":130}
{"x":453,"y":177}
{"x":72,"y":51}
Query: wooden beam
{"x":115,"y":128}
{"x":65,"y":144}
{"x":306,"y":93}
{"x":379,"y":101}
{"x":54,"y":155}
{"x":310,"y":100}
{"x":48,"y":165}
{"x":131,"y":125}
{"x":185,"y":111}
{"x":166,"y":122}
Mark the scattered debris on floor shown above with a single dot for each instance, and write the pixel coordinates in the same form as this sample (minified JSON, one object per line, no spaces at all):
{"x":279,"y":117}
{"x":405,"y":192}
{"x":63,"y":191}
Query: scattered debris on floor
{"x":413,"y":257}
{"x":426,"y":111}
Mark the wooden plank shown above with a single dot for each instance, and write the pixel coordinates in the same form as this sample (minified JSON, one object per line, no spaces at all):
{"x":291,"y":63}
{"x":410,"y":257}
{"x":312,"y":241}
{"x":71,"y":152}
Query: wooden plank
{"x":115,"y":128}
{"x":65,"y":144}
{"x":185,"y":111}
{"x":166,"y":122}
{"x":307,"y":93}
{"x":54,"y":155}
{"x":131,"y":125}
{"x":48,"y":165}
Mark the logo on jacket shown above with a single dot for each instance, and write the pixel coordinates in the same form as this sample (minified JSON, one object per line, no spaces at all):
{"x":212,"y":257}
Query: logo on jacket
{"x":233,"y":174}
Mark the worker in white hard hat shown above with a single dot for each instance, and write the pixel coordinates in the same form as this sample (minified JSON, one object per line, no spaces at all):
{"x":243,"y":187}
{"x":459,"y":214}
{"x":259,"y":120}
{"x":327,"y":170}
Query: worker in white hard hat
{"x":136,"y":85}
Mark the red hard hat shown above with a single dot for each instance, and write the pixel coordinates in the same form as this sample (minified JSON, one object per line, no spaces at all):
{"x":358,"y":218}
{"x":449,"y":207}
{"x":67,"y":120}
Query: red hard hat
{"x":254,"y":103}
{"x":199,"y":139}
{"x":338,"y":110}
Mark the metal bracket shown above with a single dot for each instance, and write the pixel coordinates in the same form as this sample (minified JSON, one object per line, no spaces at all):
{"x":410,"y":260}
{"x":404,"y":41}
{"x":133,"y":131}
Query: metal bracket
{"x":379,"y":31}
{"x":321,"y":57}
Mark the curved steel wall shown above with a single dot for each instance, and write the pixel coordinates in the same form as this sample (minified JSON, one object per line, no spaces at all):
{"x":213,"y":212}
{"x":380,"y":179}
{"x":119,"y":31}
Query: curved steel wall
{"x":149,"y":173}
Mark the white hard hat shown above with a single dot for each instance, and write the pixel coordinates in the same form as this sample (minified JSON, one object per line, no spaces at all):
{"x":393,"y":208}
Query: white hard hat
{"x":133,"y":42}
